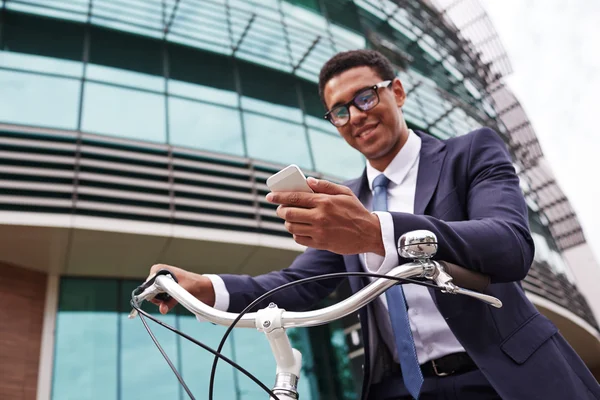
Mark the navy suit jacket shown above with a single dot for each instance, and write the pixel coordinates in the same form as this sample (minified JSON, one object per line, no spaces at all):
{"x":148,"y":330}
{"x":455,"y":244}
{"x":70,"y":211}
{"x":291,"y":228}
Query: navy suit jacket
{"x":469,"y":195}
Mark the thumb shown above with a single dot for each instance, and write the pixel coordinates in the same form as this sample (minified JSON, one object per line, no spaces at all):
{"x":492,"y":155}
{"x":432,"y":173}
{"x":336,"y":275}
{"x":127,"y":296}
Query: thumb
{"x":326,"y":187}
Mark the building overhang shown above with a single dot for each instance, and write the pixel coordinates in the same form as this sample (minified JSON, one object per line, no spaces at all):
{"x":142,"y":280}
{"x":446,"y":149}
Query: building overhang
{"x":102,"y":247}
{"x":582,"y":336}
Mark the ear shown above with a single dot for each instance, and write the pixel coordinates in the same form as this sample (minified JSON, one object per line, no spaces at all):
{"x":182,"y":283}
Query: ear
{"x":399,"y":93}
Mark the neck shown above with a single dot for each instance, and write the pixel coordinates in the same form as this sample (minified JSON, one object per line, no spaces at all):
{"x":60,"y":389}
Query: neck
{"x":381,"y":163}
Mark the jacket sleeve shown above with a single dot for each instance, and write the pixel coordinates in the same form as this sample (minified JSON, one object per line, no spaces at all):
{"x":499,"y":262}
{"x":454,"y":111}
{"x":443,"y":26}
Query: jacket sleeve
{"x":243,"y":289}
{"x":495,"y":239}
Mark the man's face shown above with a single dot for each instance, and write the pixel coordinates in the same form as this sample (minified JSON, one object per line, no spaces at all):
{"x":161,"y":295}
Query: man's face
{"x":376,"y":133}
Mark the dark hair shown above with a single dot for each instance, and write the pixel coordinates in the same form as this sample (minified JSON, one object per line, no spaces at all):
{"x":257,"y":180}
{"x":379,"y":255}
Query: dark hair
{"x":346,"y":60}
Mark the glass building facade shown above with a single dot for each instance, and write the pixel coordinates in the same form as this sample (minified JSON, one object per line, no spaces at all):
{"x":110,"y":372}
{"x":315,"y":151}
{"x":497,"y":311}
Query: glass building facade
{"x":175,"y":112}
{"x":102,"y":354}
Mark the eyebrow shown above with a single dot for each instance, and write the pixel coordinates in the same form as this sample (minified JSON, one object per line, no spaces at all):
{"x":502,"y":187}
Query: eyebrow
{"x":339,"y":103}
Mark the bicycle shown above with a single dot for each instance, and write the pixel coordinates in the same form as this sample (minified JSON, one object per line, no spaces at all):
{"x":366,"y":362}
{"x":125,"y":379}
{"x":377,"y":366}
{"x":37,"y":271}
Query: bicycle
{"x":420,"y":246}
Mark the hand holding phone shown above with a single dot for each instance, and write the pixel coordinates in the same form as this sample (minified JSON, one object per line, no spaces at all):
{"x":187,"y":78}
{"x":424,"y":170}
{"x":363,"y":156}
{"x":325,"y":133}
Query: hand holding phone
{"x":289,"y":179}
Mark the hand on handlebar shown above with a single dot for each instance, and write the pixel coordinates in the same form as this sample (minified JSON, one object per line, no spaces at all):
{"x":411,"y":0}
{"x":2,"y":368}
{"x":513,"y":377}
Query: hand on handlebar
{"x":198,"y":285}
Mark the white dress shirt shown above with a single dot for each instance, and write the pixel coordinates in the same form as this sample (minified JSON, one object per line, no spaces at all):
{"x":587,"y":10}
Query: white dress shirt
{"x":432,"y":336}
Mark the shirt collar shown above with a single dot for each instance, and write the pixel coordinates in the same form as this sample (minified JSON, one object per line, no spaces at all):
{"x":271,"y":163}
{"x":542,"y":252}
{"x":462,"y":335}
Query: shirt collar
{"x":401,"y":164}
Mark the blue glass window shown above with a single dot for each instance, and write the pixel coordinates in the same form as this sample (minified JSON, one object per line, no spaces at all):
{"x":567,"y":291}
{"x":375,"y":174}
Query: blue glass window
{"x":276,"y":140}
{"x":31,"y":99}
{"x":86,"y":347}
{"x":35,"y":63}
{"x":123,"y":112}
{"x":205,"y":126}
{"x":101,"y":354}
{"x":333,"y":156}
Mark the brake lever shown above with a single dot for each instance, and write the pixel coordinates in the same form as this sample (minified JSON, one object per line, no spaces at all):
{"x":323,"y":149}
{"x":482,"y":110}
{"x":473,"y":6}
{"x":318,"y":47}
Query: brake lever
{"x":154,"y":293}
{"x":444,"y":281}
{"x":490,"y":300}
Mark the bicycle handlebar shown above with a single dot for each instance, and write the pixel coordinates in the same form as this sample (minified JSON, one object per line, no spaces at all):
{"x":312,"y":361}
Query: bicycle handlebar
{"x":424,"y":269}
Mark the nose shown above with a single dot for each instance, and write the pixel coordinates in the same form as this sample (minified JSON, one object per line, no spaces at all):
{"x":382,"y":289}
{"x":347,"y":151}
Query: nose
{"x":357,"y":116}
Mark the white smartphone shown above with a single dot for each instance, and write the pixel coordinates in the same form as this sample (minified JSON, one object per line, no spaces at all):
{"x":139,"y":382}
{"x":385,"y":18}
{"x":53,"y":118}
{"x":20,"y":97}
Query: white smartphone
{"x":289,"y":179}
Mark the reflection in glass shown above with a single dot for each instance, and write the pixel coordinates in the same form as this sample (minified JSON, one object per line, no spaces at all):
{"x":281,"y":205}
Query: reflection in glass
{"x":205,"y":126}
{"x":123,"y":112}
{"x":276,"y":141}
{"x":31,"y":99}
{"x":344,"y":162}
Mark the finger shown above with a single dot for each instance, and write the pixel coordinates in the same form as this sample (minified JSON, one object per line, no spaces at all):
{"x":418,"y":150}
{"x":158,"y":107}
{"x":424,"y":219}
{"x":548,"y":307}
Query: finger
{"x":323,"y":186}
{"x":295,"y":214}
{"x":166,"y":306}
{"x":299,"y":229}
{"x":296,"y":199}
{"x":305,"y":241}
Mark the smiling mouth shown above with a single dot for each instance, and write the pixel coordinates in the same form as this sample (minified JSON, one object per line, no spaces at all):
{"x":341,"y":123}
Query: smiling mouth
{"x":366,"y":132}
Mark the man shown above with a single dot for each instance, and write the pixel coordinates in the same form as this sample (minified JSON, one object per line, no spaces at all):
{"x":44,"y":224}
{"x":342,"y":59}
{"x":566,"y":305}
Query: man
{"x":418,"y":342}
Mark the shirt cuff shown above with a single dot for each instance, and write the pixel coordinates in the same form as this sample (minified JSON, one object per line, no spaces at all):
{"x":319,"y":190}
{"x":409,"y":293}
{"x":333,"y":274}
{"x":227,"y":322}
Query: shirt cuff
{"x":376,"y":263}
{"x":221,"y":294}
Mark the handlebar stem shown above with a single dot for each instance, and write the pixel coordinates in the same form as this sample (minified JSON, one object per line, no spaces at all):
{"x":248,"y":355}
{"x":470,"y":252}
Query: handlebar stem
{"x":288,"y":360}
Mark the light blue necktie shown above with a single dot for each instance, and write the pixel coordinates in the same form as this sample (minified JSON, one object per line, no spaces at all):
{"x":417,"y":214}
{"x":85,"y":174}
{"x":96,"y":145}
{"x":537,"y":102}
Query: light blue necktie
{"x":407,"y":353}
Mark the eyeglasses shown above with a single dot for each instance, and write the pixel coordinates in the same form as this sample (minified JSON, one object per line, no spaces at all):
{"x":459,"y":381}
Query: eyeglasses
{"x":365,"y":100}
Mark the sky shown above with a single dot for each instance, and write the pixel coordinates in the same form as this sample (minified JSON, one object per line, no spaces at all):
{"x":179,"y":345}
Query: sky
{"x":554,"y":48}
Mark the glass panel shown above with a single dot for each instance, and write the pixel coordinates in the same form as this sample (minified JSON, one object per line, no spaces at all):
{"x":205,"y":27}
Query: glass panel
{"x":264,"y":42}
{"x":45,"y":11}
{"x":126,"y":51}
{"x":321,"y":124}
{"x":124,"y":77}
{"x":26,"y":33}
{"x":345,"y":39}
{"x":310,"y":4}
{"x":37,"y":63}
{"x":144,"y":372}
{"x":85,"y":360}
{"x":31,"y":99}
{"x":206,"y":24}
{"x":254,"y":353}
{"x":333,"y":156}
{"x":123,"y":112}
{"x":200,"y":67}
{"x":270,"y":109}
{"x":276,"y":141}
{"x":196,"y":363}
{"x":206,"y":93}
{"x":269,"y":85}
{"x":143,"y":17}
{"x":205,"y":126}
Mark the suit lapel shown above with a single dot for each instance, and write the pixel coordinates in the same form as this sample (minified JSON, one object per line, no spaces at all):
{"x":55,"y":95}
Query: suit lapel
{"x":431,"y":157}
